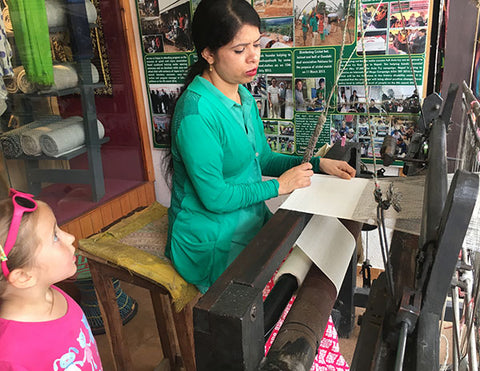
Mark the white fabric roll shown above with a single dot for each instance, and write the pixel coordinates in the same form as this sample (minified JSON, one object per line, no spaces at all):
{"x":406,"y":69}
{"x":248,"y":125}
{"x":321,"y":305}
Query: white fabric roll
{"x":64,"y":76}
{"x":68,"y":137}
{"x":296,"y":264}
{"x":30,"y":140}
{"x":57,"y":14}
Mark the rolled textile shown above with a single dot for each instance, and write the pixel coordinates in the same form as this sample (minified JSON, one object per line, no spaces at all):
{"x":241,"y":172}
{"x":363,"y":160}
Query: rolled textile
{"x":69,"y":137}
{"x":22,"y":81}
{"x":57,"y":13}
{"x":10,"y":141}
{"x":297,"y":264}
{"x":7,"y":20}
{"x":11,"y":83}
{"x":64,"y":74}
{"x":30,"y":139}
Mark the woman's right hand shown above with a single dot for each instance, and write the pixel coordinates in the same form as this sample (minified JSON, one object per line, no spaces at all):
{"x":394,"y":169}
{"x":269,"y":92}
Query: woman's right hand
{"x":296,"y":177}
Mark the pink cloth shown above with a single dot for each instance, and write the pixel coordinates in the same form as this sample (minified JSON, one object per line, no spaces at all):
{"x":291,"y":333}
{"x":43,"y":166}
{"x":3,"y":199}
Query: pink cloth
{"x":66,"y":343}
{"x":328,"y":356}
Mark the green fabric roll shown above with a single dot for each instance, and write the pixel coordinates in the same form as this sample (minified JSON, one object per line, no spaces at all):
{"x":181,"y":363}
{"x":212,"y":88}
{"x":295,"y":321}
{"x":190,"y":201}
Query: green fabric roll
{"x":30,"y":28}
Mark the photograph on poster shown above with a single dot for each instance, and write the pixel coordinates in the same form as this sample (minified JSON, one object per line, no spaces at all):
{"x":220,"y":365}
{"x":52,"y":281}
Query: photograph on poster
{"x":401,"y":40}
{"x":276,"y":33}
{"x":273,"y":8}
{"x":171,"y":26}
{"x":396,"y":98}
{"x":373,"y":16}
{"x":351,"y":98}
{"x":286,"y":144}
{"x":410,"y":14}
{"x":273,"y":94}
{"x":152,"y":43}
{"x":344,"y":126}
{"x":401,"y":129}
{"x":375,"y":42}
{"x":161,"y":127}
{"x":310,"y":94}
{"x":286,"y":128}
{"x":270,"y":127}
{"x":163,"y":98}
{"x":322,"y":23}
{"x":148,"y":8}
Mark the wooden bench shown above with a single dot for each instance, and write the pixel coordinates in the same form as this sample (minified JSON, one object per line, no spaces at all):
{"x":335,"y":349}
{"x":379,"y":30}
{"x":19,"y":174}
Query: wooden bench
{"x":133,"y":251}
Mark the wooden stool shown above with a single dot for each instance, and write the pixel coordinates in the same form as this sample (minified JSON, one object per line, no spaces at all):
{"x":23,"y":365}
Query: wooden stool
{"x":132,"y":251}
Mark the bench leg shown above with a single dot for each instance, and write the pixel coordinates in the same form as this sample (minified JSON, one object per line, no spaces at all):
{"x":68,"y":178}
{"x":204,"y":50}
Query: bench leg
{"x":184,"y":327}
{"x":164,"y":320}
{"x":111,"y":318}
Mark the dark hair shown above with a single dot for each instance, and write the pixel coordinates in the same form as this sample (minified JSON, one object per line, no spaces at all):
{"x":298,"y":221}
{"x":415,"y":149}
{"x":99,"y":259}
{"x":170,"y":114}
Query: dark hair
{"x":215,"y":24}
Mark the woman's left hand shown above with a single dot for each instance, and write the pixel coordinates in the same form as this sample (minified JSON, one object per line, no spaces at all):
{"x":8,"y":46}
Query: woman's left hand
{"x":338,"y":168}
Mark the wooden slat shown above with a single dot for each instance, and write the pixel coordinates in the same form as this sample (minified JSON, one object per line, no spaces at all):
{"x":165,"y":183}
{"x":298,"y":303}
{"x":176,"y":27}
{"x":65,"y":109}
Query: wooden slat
{"x":92,"y":222}
{"x":125,"y":204}
{"x":107,"y":214}
{"x":86,"y":225}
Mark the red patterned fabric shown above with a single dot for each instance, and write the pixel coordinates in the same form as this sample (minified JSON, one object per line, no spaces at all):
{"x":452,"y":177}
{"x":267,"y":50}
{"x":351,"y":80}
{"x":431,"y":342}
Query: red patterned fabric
{"x":328,"y":357}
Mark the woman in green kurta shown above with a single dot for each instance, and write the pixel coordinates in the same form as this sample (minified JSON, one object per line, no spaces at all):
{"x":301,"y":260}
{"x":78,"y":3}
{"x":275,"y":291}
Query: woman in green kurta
{"x":219,"y":150}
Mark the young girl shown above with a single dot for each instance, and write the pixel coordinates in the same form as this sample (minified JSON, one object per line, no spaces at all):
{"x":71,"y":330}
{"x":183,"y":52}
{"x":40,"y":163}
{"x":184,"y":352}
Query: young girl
{"x":41,"y":327}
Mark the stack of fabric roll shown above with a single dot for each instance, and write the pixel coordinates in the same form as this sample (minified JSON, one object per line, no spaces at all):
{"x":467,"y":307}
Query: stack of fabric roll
{"x":64,"y":75}
{"x":54,"y":138}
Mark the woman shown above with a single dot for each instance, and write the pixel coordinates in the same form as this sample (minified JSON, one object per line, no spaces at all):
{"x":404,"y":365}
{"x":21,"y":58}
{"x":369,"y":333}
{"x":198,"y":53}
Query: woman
{"x":219,"y":150}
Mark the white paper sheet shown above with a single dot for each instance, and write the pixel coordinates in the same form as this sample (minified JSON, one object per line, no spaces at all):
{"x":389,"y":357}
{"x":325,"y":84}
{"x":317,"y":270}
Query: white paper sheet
{"x":327,"y":195}
{"x":329,"y":245}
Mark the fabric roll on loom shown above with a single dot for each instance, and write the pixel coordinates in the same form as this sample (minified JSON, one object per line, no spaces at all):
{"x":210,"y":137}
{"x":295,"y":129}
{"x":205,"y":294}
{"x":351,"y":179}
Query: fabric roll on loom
{"x":65,"y":77}
{"x":10,"y":142}
{"x":331,"y":253}
{"x":69,"y":137}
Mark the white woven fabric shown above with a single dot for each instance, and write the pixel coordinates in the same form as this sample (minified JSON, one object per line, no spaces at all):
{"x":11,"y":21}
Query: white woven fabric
{"x":68,"y":137}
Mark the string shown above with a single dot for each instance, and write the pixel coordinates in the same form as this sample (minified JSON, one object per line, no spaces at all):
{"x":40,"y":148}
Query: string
{"x":307,"y":156}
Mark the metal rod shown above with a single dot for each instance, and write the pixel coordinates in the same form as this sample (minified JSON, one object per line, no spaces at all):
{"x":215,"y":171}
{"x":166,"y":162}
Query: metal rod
{"x":456,"y":328}
{"x":402,"y":343}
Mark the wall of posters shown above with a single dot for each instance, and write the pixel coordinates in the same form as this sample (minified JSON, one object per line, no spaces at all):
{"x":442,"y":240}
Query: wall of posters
{"x":301,"y":65}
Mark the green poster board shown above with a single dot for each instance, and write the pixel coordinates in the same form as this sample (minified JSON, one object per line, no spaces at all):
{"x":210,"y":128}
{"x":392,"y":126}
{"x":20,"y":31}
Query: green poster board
{"x":302,"y":63}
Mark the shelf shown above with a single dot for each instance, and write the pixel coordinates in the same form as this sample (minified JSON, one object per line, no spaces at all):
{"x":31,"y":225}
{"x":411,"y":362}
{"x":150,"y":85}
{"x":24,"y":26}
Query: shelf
{"x":69,"y":91}
{"x":67,"y":156}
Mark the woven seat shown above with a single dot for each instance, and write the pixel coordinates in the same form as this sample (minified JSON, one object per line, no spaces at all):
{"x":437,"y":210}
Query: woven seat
{"x":133,"y":251}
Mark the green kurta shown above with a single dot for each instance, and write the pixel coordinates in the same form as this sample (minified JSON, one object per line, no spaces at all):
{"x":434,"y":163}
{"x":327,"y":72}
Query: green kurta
{"x":219,"y":154}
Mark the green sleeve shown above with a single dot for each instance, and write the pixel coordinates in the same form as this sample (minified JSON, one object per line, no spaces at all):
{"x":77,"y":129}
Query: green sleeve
{"x":199,"y":144}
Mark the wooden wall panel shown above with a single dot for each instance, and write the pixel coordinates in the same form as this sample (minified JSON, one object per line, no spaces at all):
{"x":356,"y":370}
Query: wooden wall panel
{"x":93,"y":221}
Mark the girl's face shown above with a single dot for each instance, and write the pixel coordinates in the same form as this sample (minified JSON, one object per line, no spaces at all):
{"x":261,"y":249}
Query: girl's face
{"x":237,"y":62}
{"x":55,"y":257}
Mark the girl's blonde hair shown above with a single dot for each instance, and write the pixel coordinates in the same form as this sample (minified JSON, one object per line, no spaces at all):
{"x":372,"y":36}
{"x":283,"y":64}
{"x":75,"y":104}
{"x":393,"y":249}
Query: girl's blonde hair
{"x":22,"y":253}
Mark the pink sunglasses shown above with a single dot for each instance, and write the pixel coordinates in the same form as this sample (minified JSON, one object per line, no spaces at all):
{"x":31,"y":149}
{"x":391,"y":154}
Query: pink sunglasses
{"x":22,"y":202}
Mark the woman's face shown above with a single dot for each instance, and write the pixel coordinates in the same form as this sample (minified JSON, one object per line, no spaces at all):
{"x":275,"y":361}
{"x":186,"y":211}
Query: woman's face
{"x":237,"y":62}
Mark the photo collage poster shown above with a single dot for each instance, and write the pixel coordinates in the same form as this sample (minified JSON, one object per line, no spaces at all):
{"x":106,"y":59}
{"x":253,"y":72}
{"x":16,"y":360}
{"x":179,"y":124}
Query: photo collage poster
{"x":300,"y":66}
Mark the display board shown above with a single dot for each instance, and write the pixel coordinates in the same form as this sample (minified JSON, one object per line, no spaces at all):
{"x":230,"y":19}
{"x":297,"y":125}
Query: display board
{"x":302,"y":62}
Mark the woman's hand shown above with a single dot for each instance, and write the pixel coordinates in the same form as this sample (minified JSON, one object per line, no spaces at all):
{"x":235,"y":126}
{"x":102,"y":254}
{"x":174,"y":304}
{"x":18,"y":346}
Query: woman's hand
{"x":296,"y":177}
{"x":338,"y":168}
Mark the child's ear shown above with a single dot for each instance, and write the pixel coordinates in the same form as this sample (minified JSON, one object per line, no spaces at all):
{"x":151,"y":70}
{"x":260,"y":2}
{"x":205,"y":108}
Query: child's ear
{"x":21,"y":278}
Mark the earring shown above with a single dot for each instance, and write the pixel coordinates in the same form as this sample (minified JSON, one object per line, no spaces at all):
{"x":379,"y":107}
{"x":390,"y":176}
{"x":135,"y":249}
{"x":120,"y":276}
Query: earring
{"x":210,"y":68}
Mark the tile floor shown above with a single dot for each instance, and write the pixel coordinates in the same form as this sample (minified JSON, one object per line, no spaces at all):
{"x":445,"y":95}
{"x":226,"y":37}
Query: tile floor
{"x":144,"y":343}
